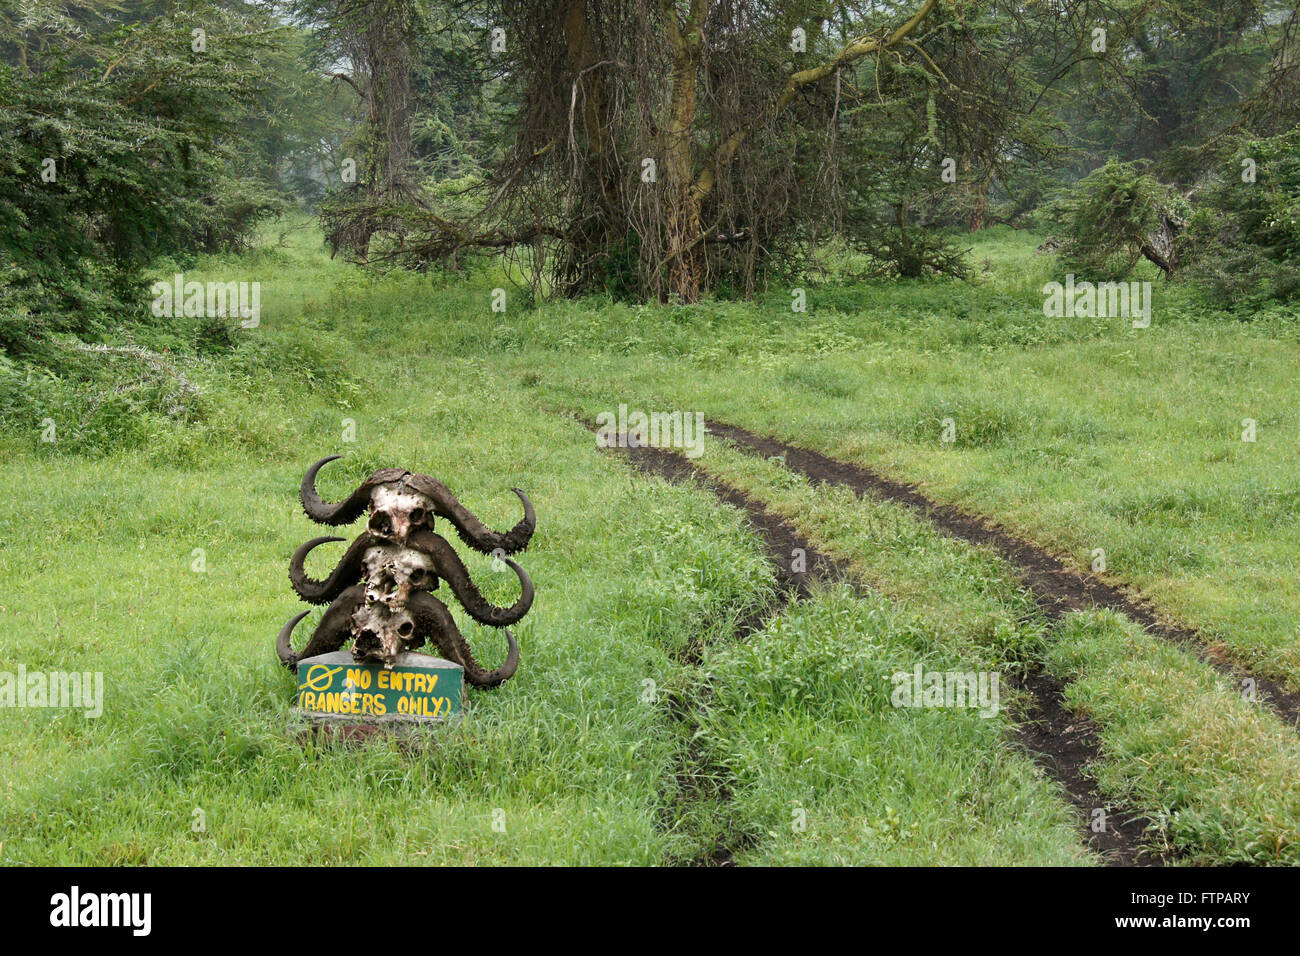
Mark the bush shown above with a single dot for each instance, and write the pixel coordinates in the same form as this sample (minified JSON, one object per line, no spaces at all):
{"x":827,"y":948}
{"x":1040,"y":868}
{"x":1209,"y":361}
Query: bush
{"x":1117,"y":215}
{"x":1243,"y":241}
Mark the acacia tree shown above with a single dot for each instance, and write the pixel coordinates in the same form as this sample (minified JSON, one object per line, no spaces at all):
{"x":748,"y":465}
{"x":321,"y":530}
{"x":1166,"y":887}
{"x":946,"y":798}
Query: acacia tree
{"x":666,"y":127}
{"x":367,"y":45}
{"x":1207,"y":88}
{"x":1178,"y":75}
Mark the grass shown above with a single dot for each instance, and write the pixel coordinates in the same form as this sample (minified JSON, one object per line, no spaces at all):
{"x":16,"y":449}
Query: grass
{"x":1229,"y":792}
{"x":1079,"y":433}
{"x":1215,"y":773}
{"x":818,"y":767}
{"x":196,"y":714}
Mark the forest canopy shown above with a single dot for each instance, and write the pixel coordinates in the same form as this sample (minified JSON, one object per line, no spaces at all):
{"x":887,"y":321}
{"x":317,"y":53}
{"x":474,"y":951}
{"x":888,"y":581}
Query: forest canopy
{"x":648,"y":150}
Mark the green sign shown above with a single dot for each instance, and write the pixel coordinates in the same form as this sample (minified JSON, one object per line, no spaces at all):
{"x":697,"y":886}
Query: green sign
{"x":416,"y":688}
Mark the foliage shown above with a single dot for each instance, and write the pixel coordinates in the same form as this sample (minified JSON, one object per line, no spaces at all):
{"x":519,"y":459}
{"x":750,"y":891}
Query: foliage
{"x":122,"y":144}
{"x":1173,"y":75}
{"x":762,"y":122}
{"x":1243,"y":241}
{"x":1112,"y":218}
{"x":737,"y":739}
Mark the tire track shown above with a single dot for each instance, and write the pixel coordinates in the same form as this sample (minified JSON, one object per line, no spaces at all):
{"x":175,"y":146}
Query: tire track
{"x":1062,"y":743}
{"x":778,"y":539}
{"x":1057,"y":588}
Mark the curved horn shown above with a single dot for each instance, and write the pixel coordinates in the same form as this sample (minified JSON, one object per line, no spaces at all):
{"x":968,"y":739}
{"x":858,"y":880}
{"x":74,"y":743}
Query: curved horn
{"x":472,"y":531}
{"x":348,"y":510}
{"x":347,"y":572}
{"x":334,"y":628}
{"x":432,"y":619}
{"x":448,"y":565}
{"x":282,"y":645}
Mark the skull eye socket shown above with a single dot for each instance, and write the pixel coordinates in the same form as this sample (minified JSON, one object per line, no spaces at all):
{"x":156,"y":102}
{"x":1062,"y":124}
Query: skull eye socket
{"x":367,"y":636}
{"x":405,"y":628}
{"x":418,"y":575}
{"x":380,"y":524}
{"x":418,"y":515}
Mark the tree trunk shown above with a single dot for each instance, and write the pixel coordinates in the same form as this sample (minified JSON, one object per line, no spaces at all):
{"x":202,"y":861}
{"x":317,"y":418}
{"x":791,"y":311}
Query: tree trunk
{"x":1161,"y":247}
{"x":683,"y":228}
{"x":598,"y":224}
{"x":979,"y":204}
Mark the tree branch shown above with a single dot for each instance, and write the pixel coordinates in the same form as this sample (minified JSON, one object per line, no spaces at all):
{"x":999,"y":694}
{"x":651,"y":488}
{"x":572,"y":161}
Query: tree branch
{"x":855,"y":51}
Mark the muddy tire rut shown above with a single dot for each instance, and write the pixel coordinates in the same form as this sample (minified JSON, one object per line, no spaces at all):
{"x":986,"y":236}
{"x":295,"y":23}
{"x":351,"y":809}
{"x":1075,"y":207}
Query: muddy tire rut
{"x":1060,"y":742}
{"x":1057,"y":588}
{"x":778,"y":540}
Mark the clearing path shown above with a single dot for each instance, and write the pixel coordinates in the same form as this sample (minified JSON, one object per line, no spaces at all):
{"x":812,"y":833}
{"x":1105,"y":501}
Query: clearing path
{"x":778,"y":540}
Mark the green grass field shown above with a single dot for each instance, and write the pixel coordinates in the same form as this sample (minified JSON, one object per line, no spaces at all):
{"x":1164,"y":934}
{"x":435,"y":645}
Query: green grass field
{"x":153,"y":547}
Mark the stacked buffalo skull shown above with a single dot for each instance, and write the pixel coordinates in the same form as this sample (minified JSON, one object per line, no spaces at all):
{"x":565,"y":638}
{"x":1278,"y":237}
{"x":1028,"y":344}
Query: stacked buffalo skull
{"x":380,"y":596}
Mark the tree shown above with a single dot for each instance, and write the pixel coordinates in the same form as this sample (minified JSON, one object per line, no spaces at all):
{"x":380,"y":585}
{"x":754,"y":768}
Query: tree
{"x":660,"y":148}
{"x":1174,"y":76}
{"x":1243,"y":239}
{"x":650,"y":135}
{"x":119,"y":141}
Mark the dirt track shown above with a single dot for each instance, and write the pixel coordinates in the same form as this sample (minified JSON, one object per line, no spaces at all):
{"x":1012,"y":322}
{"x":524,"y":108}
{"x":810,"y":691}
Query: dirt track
{"x":1061,"y":742}
{"x":1057,"y":588}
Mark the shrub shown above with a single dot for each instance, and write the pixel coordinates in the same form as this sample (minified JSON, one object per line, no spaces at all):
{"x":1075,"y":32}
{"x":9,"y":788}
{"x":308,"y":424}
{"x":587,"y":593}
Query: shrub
{"x":1243,"y":241}
{"x":1117,"y":215}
